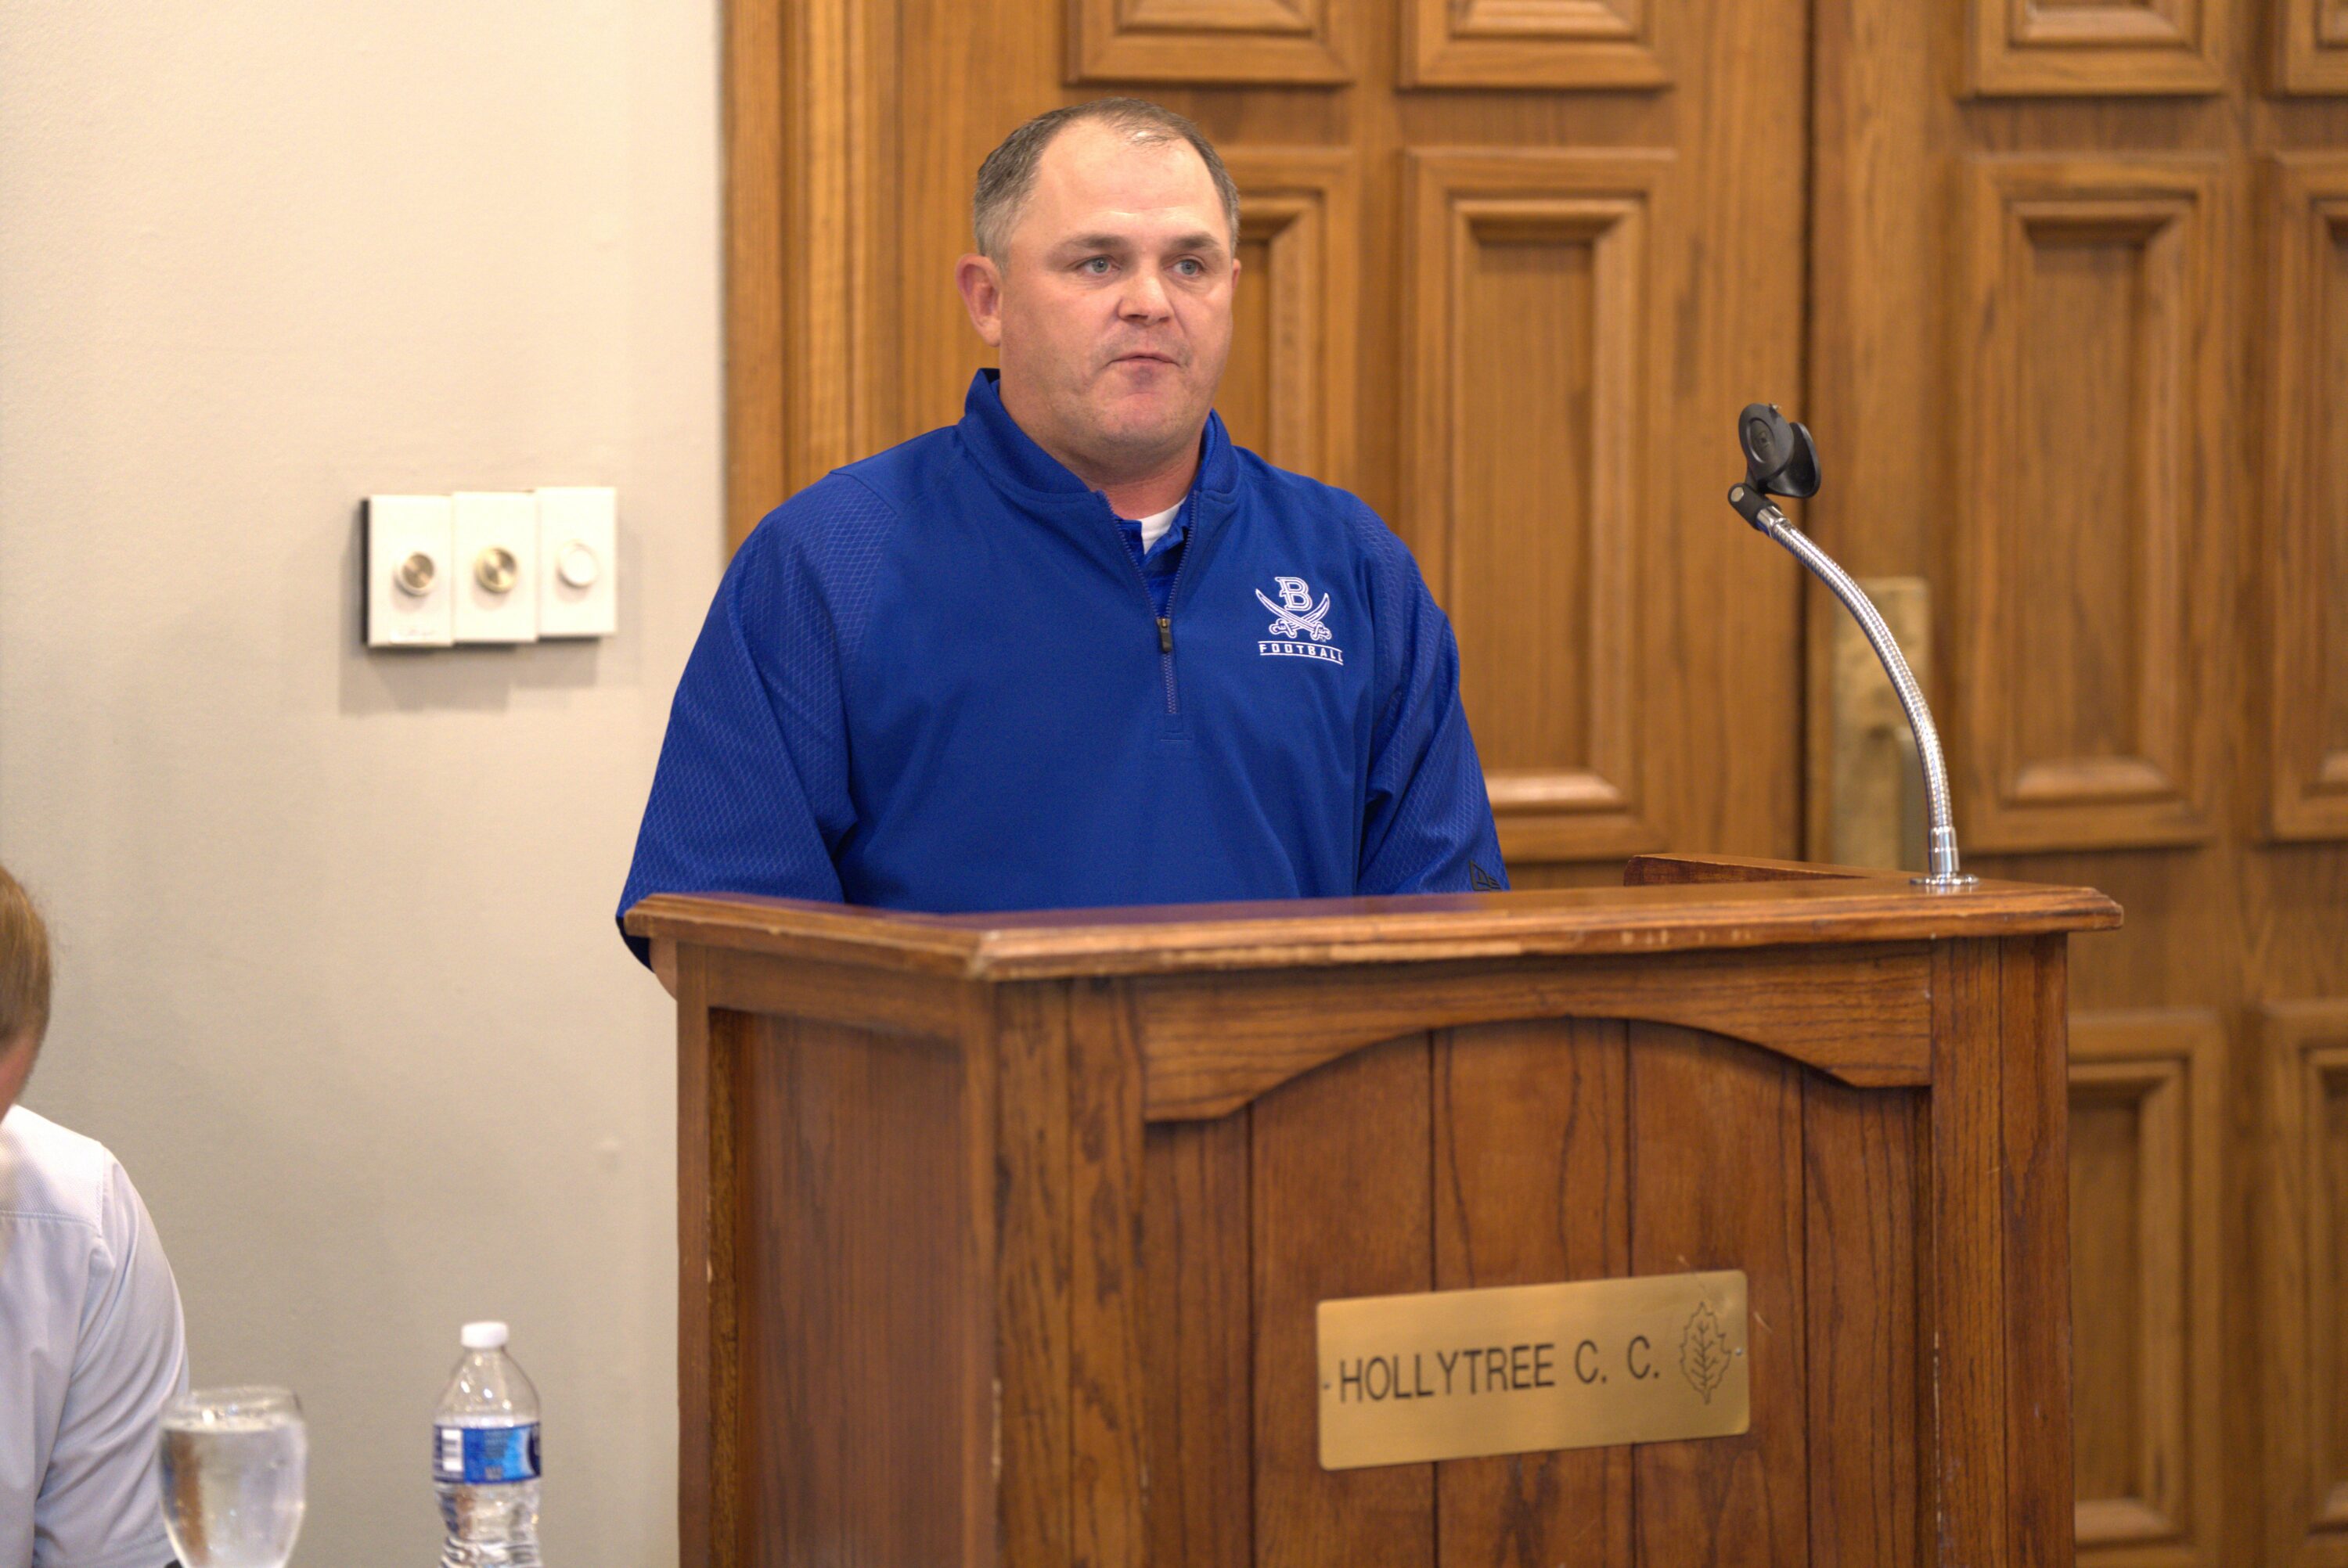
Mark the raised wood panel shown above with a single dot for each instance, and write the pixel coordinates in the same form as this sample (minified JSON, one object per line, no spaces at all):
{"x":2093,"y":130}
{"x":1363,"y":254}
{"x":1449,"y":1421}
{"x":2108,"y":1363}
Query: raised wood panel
{"x":1860,"y":1191}
{"x":853,"y":1196}
{"x":1250,"y":41}
{"x":1993,"y":1320}
{"x":1288,"y":392}
{"x":2033,"y":1140}
{"x":2314,"y":39}
{"x":1108,"y":1404}
{"x":2087,"y":405}
{"x":2147,"y":47}
{"x":1531,"y":44}
{"x":1528,"y":287}
{"x":1197,"y":1247}
{"x":2306,"y":586}
{"x":1352,"y":1137}
{"x":2307,"y":1278}
{"x":1532,"y":1185}
{"x":1716,"y":1183}
{"x":1969,"y":1485}
{"x":2147,"y":1195}
{"x":1031,"y":1032}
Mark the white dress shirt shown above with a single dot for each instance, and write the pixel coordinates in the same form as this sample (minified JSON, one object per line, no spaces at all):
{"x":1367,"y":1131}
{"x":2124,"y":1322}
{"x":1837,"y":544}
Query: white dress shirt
{"x":91,"y":1349}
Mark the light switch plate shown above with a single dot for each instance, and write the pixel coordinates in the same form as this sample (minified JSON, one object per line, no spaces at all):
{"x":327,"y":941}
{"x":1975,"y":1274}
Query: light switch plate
{"x":577,"y":569}
{"x":400,"y":528}
{"x":497,"y":566}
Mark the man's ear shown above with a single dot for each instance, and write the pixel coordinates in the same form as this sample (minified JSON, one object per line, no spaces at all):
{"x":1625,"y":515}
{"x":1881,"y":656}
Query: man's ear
{"x":982,"y":294}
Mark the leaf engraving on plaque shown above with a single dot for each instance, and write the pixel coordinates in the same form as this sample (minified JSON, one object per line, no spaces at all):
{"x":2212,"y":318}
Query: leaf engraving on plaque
{"x":1704,"y":1351}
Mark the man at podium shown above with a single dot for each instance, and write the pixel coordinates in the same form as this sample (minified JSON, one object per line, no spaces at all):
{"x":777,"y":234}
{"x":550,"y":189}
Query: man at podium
{"x":1077,"y":648}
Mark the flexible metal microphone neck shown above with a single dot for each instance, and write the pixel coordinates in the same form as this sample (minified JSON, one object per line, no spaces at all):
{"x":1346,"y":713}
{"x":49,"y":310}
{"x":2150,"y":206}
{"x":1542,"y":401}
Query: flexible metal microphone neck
{"x":1760,"y":511}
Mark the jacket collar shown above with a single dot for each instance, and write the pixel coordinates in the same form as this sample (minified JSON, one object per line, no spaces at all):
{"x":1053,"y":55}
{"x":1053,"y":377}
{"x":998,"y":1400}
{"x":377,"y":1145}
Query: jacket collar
{"x":1009,"y":457}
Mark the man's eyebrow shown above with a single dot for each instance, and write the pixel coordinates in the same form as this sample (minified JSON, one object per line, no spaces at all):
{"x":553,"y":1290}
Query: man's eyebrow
{"x":1200,"y":239}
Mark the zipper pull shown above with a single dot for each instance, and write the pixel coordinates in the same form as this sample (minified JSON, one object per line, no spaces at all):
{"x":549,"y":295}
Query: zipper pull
{"x":1165,"y":634}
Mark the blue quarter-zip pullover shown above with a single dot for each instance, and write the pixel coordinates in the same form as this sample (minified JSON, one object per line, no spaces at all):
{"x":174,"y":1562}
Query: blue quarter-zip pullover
{"x":939,"y":679}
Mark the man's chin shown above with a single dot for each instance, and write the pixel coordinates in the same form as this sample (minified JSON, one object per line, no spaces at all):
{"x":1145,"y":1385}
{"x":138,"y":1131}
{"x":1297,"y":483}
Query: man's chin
{"x":1140,"y":424}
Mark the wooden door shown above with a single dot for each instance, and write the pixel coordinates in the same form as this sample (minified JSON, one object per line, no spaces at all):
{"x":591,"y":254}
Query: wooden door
{"x":1510,"y":267}
{"x":2079,"y":356}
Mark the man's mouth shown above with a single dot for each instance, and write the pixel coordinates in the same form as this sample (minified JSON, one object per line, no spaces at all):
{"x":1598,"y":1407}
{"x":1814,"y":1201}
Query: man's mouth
{"x":1145,"y":355}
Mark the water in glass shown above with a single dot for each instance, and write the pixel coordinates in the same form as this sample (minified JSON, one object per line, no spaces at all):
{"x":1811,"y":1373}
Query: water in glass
{"x":232,"y":1472}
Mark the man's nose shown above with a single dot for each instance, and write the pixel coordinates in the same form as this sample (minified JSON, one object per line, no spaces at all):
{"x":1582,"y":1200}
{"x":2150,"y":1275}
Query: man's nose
{"x":1144,"y":298}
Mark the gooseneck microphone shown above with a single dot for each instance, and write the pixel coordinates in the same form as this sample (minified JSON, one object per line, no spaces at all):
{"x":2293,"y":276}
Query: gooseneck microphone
{"x":1780,"y":459}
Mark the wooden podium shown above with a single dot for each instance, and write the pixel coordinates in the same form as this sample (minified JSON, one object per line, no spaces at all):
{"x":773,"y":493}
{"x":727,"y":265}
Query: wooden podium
{"x":1001,"y":1236}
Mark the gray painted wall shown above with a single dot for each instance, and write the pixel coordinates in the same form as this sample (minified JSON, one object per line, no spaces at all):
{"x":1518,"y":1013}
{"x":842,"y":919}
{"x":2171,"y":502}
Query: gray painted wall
{"x":338,"y":980}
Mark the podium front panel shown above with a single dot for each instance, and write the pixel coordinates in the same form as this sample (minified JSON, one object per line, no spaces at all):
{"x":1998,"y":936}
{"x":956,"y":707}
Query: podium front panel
{"x":1511,"y":1154}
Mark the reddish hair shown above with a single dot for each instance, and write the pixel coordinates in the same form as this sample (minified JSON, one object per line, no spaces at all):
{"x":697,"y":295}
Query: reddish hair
{"x":23,"y":966}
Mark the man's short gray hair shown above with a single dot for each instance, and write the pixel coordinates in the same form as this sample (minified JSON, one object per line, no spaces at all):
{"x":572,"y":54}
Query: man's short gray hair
{"x":1008,"y":174}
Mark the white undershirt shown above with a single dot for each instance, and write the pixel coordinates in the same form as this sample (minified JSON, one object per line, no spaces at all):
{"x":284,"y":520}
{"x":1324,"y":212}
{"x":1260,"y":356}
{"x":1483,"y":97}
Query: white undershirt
{"x":1154,"y":527}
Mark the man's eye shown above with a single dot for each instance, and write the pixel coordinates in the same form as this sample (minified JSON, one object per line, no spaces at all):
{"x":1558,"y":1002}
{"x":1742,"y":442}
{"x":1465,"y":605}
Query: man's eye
{"x":1096,"y":266}
{"x":1191,"y":267}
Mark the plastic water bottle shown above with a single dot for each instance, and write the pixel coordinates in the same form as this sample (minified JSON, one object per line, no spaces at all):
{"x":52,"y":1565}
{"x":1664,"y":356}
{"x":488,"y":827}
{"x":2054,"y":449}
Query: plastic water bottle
{"x":485,"y":1457}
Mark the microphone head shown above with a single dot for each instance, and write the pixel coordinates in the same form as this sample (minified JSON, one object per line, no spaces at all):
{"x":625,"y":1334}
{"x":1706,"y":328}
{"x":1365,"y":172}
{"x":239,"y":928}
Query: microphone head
{"x":1780,"y":458}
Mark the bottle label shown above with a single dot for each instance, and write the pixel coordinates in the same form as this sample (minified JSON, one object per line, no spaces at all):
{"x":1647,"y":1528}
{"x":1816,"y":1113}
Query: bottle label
{"x":484,"y":1456}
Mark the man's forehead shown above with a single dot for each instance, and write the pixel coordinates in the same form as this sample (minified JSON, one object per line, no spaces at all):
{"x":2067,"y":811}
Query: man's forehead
{"x":1092,"y":172}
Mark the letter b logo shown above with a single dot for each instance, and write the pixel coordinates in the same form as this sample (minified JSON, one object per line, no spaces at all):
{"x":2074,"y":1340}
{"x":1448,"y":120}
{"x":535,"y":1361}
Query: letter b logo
{"x":1294,"y":597}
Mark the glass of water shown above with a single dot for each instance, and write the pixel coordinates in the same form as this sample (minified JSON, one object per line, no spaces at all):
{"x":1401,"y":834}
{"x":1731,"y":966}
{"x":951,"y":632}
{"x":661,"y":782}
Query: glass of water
{"x":232,"y":1470}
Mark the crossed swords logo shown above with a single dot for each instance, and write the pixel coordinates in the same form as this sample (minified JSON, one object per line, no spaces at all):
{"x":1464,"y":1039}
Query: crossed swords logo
{"x":1297,"y":622}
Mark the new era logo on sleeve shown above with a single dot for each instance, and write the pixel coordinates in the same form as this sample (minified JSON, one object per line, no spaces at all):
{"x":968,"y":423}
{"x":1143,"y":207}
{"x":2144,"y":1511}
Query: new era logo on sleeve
{"x":1296,"y":619}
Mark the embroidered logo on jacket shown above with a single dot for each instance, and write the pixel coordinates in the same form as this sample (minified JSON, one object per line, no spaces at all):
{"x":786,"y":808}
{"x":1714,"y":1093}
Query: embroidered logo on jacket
{"x":1299,"y":621}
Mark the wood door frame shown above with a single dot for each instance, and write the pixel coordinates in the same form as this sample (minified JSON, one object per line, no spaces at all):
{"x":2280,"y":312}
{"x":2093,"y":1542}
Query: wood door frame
{"x":805,"y":131}
{"x":756,"y":396}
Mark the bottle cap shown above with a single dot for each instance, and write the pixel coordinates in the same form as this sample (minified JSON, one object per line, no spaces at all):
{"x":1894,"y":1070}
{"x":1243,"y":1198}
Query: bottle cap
{"x":484,"y":1336}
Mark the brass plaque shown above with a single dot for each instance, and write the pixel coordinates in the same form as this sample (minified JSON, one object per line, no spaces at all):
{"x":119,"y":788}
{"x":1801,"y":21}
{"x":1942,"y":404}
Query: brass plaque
{"x":1455,"y":1374}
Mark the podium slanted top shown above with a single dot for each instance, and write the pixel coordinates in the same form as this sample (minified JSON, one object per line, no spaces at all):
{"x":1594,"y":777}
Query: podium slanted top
{"x":1667,"y":904}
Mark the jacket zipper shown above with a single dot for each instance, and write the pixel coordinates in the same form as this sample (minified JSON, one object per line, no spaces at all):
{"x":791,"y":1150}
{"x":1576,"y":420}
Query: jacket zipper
{"x":1166,"y":650}
{"x":1165,"y":621}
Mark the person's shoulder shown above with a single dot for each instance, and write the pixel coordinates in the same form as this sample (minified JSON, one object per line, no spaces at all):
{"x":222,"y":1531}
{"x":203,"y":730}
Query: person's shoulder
{"x":853,"y":509}
{"x":1306,"y":502}
{"x":901,"y":474}
{"x":837,"y":510}
{"x":52,"y":1173}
